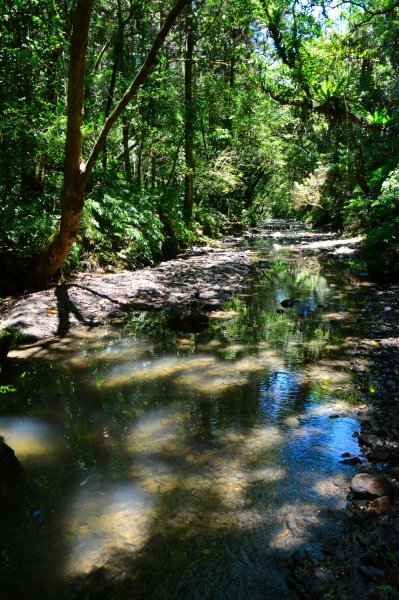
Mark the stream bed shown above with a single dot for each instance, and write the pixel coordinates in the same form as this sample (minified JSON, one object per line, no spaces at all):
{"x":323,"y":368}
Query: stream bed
{"x":160,"y":464}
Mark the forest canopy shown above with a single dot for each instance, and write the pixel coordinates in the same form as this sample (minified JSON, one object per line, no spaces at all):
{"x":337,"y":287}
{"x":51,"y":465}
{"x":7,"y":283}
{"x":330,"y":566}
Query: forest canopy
{"x":132,"y":128}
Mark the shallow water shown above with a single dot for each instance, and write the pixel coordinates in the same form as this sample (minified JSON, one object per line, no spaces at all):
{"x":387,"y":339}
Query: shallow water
{"x":161,"y":465}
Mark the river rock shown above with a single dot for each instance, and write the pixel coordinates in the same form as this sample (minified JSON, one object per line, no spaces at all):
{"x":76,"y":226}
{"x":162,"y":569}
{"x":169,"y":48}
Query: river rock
{"x":378,"y":454}
{"x":11,"y":471}
{"x":369,"y":439}
{"x":351,"y":460}
{"x":395,"y":472}
{"x":365,"y":485}
{"x":382,"y":503}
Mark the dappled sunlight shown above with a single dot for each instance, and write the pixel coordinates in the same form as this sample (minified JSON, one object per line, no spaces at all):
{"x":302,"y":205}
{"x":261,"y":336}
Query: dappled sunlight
{"x":326,"y":244}
{"x":103,"y":520}
{"x":296,"y":522}
{"x":148,"y":370}
{"x":333,"y":487}
{"x":331,"y":409}
{"x":209,"y":346}
{"x":224,"y":314}
{"x":344,"y":315}
{"x":155,"y":431}
{"x":203,"y":373}
{"x":163,"y":461}
{"x":195,"y":446}
{"x":120,"y":352}
{"x":328,"y":371}
{"x":224,"y":374}
{"x":49,"y":349}
{"x":31,"y":439}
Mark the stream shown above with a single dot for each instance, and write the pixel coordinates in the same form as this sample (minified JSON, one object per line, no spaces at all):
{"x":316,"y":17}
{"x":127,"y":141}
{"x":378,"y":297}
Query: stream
{"x":164,"y":465}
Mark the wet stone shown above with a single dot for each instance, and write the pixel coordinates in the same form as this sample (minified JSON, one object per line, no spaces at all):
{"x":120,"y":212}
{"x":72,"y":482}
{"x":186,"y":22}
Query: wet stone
{"x":382,"y":503}
{"x":365,"y":485}
{"x":351,"y":460}
{"x":378,"y":454}
{"x":369,"y":439}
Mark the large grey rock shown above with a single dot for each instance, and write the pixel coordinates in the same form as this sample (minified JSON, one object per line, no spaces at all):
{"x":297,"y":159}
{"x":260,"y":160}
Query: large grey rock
{"x":365,"y":485}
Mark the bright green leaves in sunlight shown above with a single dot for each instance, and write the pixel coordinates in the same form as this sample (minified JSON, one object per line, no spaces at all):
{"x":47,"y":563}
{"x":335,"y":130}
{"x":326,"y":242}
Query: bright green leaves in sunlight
{"x":294,"y":112}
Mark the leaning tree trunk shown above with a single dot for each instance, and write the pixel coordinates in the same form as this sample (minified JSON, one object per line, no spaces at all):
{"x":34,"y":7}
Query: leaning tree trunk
{"x":59,"y":244}
{"x":76,"y":171}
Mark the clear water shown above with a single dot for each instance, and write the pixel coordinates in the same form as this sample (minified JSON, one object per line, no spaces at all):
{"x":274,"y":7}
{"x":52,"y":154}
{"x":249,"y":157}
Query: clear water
{"x":190,"y":466}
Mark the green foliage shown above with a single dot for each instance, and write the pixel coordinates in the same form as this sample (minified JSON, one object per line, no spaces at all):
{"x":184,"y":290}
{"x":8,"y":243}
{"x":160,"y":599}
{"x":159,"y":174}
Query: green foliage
{"x":294,"y":116}
{"x":388,"y":589}
{"x":122,"y":228}
{"x":382,"y":248}
{"x":5,"y":389}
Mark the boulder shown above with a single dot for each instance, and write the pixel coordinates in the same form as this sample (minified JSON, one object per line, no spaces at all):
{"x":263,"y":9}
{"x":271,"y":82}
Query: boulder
{"x":365,"y":485}
{"x":369,"y":439}
{"x":11,"y":471}
{"x":382,"y":503}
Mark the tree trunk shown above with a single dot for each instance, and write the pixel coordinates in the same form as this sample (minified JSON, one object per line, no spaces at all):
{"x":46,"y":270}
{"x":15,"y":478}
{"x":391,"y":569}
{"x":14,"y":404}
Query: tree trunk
{"x":76,"y":172}
{"x":126,"y":150}
{"x":59,"y":244}
{"x":189,"y":118}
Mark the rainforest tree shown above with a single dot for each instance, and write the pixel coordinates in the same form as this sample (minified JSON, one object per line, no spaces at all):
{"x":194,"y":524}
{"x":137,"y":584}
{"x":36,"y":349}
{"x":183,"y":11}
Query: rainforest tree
{"x":199,"y":116}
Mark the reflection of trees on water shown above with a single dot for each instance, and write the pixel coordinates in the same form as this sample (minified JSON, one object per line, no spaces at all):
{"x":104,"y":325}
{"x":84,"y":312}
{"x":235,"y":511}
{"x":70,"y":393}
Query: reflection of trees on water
{"x":217,"y":444}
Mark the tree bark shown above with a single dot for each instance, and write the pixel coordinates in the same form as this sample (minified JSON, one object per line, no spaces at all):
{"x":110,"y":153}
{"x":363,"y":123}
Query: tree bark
{"x":189,"y":118}
{"x":57,"y":247}
{"x":76,"y":172}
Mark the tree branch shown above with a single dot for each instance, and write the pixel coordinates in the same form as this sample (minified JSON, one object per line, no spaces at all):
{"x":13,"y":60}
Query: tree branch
{"x":148,"y":66}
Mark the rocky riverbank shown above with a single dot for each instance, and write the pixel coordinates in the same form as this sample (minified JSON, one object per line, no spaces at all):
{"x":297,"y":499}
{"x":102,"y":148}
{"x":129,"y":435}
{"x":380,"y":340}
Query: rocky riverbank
{"x":366,"y":562}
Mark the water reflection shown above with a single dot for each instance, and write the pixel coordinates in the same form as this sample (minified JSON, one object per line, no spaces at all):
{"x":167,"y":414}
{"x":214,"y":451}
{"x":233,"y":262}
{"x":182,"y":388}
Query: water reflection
{"x":189,"y":463}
